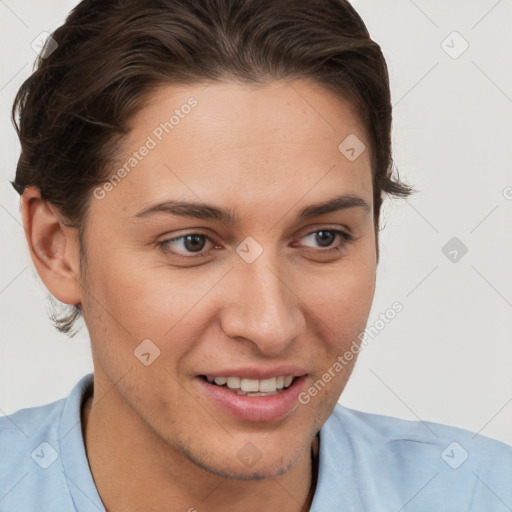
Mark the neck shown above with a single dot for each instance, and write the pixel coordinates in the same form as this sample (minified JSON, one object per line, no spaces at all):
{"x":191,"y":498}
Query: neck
{"x":134,"y":469}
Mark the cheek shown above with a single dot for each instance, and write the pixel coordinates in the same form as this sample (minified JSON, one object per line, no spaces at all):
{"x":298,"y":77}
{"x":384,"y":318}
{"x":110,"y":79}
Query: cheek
{"x":342,"y":301}
{"x":146,"y":301}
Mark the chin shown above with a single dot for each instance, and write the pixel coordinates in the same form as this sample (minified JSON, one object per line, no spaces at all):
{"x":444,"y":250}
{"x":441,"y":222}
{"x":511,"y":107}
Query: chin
{"x":258,"y":472}
{"x":234,"y":467}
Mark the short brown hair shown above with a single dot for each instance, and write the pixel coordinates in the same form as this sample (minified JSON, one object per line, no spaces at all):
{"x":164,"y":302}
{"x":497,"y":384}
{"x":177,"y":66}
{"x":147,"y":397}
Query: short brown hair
{"x":74,"y":109}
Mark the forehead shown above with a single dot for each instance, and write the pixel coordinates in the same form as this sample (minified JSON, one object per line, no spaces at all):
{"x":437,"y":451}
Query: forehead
{"x":222,"y":138}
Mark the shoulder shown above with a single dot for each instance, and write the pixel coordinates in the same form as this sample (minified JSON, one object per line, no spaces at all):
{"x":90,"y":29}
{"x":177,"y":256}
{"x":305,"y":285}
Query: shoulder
{"x":21,"y":432}
{"x":398,"y":434}
{"x":442,"y":467}
{"x":31,"y":446}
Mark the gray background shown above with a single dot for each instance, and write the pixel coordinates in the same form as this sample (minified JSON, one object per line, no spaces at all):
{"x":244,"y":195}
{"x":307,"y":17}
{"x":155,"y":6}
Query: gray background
{"x":446,"y":357}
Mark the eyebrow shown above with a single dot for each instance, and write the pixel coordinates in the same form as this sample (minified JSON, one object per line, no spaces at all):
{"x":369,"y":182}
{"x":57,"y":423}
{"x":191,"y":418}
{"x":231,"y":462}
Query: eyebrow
{"x":210,"y":212}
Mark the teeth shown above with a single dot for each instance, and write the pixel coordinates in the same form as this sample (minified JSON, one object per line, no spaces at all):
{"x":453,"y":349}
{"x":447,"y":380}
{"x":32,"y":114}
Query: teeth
{"x":253,"y":386}
{"x":240,"y":392}
{"x":268,"y":384}
{"x":249,"y":385}
{"x":233,"y":382}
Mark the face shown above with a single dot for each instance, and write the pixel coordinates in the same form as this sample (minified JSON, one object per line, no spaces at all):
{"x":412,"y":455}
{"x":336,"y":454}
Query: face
{"x":251,"y":285}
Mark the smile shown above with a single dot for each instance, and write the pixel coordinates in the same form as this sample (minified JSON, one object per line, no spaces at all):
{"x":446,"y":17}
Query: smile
{"x":256,"y":400}
{"x":253,"y":387}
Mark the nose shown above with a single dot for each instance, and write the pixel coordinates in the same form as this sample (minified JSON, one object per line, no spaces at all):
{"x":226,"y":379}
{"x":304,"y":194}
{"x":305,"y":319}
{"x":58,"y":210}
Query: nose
{"x":263,"y":307}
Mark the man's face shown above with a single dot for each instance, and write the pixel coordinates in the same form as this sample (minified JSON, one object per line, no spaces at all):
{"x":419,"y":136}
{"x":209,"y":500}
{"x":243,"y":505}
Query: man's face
{"x":259,"y":300}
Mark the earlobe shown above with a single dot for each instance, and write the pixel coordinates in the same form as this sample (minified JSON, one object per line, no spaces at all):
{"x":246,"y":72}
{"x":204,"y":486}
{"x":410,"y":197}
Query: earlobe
{"x":53,"y":247}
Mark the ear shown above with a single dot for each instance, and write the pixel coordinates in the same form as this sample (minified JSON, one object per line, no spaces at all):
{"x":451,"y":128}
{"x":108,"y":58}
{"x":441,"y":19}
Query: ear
{"x":53,"y":247}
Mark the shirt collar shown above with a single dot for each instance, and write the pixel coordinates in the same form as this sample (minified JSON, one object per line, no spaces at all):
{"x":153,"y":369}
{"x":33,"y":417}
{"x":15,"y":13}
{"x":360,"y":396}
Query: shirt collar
{"x":74,"y":459}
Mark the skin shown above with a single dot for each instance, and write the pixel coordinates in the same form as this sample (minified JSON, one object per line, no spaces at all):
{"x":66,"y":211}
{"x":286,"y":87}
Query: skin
{"x":264,"y":153}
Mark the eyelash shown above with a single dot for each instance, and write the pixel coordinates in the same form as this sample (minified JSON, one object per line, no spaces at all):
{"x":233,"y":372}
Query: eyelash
{"x":164,"y":245}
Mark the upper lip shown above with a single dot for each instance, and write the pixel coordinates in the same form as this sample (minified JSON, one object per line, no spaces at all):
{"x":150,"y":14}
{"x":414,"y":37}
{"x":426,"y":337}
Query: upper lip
{"x":257,"y":373}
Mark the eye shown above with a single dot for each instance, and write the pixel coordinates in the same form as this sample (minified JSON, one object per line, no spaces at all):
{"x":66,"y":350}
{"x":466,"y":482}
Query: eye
{"x":188,"y":243}
{"x":326,"y":237}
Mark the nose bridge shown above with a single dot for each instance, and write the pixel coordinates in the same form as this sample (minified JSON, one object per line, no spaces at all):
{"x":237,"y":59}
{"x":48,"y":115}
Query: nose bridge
{"x":262,"y":308}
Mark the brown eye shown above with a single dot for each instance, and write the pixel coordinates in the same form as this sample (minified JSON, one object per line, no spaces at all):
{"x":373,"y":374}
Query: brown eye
{"x":190,"y":243}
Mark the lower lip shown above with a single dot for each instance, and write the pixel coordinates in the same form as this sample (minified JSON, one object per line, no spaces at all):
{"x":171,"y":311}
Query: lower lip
{"x":255,"y":408}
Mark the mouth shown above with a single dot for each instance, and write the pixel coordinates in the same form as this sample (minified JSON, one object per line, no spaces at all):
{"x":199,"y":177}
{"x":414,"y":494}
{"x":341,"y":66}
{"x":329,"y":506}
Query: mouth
{"x":255,"y":400}
{"x":252,"y":387}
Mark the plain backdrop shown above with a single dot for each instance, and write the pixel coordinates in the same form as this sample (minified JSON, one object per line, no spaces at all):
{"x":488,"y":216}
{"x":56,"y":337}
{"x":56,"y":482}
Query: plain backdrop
{"x":447,"y":356}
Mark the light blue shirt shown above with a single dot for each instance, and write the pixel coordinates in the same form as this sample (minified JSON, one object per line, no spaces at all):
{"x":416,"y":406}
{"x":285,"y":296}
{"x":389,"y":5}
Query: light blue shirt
{"x":367,"y":462}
